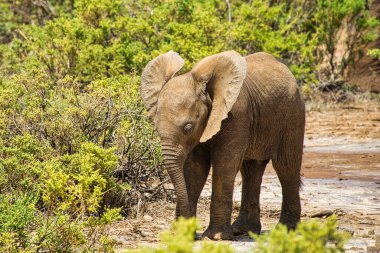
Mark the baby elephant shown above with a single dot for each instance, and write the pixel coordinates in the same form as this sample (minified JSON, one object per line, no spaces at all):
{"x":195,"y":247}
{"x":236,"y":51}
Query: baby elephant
{"x":232,"y":113}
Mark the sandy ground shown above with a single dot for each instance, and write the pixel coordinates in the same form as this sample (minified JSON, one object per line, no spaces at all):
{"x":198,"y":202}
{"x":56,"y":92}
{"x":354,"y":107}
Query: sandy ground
{"x":341,"y":174}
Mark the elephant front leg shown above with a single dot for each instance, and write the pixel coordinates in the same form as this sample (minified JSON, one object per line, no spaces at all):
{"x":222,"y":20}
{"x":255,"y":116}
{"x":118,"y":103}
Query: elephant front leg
{"x":223,"y":177}
{"x":249,"y":216}
{"x":196,"y":170}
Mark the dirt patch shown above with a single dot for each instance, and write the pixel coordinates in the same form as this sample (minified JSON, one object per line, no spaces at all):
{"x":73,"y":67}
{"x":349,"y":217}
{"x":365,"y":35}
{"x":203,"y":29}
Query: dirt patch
{"x":342,"y":166}
{"x":352,"y":123}
{"x":341,"y":174}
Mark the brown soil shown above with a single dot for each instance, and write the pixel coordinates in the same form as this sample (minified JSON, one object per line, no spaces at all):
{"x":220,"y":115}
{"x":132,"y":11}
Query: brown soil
{"x":341,"y":166}
{"x":341,"y":174}
{"x":353,"y":121}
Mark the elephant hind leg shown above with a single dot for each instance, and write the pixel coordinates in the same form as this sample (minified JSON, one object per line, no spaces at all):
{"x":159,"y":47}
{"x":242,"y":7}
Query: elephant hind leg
{"x":288,"y":169}
{"x":249,"y":216}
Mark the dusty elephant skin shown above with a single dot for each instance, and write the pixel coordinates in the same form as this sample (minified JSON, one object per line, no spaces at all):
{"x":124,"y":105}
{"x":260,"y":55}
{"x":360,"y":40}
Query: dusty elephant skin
{"x":232,"y":113}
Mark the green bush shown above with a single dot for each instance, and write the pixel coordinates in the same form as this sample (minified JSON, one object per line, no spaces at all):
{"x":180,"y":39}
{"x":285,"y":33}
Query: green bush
{"x":310,"y":237}
{"x":55,"y":204}
{"x":181,"y":238}
{"x":375,"y":53}
{"x":333,"y":17}
{"x":16,"y":217}
{"x":76,"y":183}
{"x":20,"y":161}
{"x":25,"y":228}
{"x":109,"y":38}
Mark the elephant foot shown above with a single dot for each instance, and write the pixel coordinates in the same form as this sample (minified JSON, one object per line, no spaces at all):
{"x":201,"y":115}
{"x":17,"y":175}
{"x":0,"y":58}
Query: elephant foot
{"x":289,"y":225}
{"x":243,"y":226}
{"x":219,"y":233}
{"x":290,"y":219}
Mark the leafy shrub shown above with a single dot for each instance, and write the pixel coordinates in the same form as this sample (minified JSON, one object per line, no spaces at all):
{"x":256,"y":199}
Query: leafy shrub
{"x":76,"y":183}
{"x":344,"y":25}
{"x":375,"y":53}
{"x":181,"y":239}
{"x":16,"y":217}
{"x":71,"y":123}
{"x":59,"y":207}
{"x":117,"y":37}
{"x":20,"y":164}
{"x":311,"y":237}
{"x":24,"y":228}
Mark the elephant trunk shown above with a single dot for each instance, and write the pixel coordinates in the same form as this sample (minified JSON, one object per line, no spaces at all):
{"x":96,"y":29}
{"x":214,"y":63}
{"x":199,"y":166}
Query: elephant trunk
{"x":174,"y":159}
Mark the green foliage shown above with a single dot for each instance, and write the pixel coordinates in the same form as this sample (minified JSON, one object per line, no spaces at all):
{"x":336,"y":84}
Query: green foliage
{"x":24,"y":228}
{"x":310,"y":237}
{"x":76,"y":183}
{"x":281,"y":30}
{"x":16,"y":214}
{"x":98,"y":231}
{"x":181,"y":238}
{"x":375,"y":53}
{"x":109,"y":38}
{"x":5,"y":15}
{"x":19,"y":163}
{"x":54,"y":203}
{"x":335,"y":17}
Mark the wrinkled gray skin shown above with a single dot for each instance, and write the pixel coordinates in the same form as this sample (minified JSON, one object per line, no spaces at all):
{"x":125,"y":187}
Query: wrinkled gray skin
{"x":232,"y":113}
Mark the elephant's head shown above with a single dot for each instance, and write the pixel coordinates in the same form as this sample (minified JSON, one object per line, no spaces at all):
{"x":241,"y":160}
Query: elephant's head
{"x":189,"y":108}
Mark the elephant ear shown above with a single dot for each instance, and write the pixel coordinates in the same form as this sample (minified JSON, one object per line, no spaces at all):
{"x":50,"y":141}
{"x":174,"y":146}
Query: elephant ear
{"x":154,"y":76}
{"x":222,"y":76}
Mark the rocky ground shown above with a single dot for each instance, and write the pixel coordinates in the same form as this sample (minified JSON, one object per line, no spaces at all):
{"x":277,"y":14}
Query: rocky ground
{"x":341,"y":175}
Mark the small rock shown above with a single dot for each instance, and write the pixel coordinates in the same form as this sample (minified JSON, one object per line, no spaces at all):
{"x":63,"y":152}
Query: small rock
{"x":366,"y":222}
{"x":339,"y":212}
{"x":147,"y":218}
{"x":325,"y":213}
{"x":372,"y":250}
{"x":144,"y":234}
{"x":356,"y":248}
{"x":350,"y":231}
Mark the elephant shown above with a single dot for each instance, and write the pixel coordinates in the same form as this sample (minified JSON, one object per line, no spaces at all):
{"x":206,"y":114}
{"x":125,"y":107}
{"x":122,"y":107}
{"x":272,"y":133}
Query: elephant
{"x":228,"y":113}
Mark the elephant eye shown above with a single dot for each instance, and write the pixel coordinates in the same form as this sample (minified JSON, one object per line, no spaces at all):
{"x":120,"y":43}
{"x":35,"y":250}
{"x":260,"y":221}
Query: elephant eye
{"x":188,"y":128}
